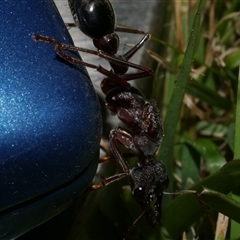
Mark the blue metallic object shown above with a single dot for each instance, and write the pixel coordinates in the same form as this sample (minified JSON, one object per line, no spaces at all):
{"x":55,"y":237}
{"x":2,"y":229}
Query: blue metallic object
{"x":50,"y":124}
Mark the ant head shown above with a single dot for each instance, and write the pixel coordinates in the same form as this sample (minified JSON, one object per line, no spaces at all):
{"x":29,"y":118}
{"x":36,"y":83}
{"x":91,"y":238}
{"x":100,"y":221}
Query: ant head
{"x":148,"y":182}
{"x":108,"y":44}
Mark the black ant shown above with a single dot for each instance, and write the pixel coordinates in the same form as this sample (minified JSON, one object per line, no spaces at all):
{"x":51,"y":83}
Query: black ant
{"x":149,"y":179}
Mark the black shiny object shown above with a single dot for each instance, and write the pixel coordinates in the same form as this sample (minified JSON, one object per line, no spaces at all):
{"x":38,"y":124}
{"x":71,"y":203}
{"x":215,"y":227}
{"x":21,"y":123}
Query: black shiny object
{"x":95,"y":18}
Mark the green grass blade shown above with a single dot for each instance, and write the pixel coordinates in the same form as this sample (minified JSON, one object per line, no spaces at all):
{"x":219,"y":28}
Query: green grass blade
{"x":235,"y":229}
{"x":174,"y":107}
{"x":237,"y":123}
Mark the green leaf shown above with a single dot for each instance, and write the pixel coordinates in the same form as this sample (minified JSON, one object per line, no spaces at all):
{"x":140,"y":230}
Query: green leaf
{"x":234,"y":230}
{"x":221,"y":203}
{"x":233,"y":59}
{"x":190,"y":168}
{"x":210,"y":152}
{"x":185,"y":209}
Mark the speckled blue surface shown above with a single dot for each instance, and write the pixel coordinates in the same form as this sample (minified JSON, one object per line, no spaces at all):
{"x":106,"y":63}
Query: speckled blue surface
{"x":50,"y":122}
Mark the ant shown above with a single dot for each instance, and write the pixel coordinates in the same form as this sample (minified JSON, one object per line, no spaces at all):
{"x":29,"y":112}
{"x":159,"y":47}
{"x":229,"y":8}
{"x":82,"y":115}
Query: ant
{"x":149,"y":179}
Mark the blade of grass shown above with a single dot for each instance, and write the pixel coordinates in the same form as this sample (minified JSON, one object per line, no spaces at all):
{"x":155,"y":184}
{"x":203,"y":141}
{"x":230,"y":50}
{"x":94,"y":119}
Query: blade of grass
{"x":175,"y":104}
{"x":235,"y":229}
{"x":222,"y":226}
{"x":237,"y":123}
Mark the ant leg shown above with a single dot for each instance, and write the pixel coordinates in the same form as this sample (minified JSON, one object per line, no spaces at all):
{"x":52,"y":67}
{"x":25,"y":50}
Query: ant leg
{"x":99,"y":68}
{"x":135,"y":76}
{"x":111,"y":58}
{"x":126,"y":140}
{"x":121,"y":136}
{"x":129,"y":30}
{"x":114,"y":178}
{"x":145,"y":72}
{"x":133,"y":50}
{"x":104,"y":145}
{"x":109,"y":180}
{"x":133,"y":225}
{"x":61,"y":46}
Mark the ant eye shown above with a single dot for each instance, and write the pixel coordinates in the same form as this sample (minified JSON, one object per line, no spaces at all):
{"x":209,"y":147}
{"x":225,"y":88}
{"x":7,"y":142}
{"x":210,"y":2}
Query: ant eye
{"x":139,"y":193}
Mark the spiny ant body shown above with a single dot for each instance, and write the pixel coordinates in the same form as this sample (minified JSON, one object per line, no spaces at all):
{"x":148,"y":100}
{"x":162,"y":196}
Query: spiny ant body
{"x":149,"y":179}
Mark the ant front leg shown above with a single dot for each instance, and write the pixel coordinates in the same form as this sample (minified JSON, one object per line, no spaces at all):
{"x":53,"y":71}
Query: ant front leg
{"x":116,"y":177}
{"x":123,"y":137}
{"x":146,"y":211}
{"x":133,"y":225}
{"x":62,"y":46}
{"x":109,"y":180}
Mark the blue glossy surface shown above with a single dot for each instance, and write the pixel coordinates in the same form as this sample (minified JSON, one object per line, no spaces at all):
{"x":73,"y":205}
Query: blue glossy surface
{"x":50,"y":122}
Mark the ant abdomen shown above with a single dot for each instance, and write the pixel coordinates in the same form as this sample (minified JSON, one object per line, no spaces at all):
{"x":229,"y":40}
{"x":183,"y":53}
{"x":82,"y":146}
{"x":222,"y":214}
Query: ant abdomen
{"x":95,"y":18}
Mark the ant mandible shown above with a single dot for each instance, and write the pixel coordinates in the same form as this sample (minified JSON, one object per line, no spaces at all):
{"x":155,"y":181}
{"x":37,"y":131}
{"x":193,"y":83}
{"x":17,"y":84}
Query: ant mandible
{"x":149,"y":179}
